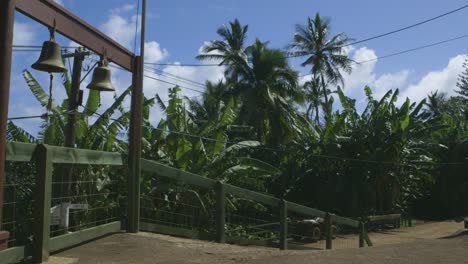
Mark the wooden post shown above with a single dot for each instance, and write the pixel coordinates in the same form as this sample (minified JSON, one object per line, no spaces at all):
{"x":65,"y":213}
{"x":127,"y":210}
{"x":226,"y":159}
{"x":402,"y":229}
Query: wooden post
{"x":42,"y":203}
{"x":134,"y":145}
{"x":283,"y":225}
{"x":7,"y":18}
{"x":362,"y":232}
{"x":328,"y":230}
{"x":220,"y":212}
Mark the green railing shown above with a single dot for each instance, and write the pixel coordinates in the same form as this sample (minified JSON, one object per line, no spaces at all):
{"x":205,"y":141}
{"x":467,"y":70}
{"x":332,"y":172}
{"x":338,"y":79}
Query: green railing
{"x":89,"y":187}
{"x":279,"y":213}
{"x":47,"y":191}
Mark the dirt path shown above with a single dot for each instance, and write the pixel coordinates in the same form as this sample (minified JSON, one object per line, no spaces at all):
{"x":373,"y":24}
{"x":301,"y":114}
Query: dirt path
{"x":420,"y":244}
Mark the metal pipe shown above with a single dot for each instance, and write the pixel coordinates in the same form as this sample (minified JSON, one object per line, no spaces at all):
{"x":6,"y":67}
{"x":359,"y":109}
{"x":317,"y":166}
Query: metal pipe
{"x":7,"y":18}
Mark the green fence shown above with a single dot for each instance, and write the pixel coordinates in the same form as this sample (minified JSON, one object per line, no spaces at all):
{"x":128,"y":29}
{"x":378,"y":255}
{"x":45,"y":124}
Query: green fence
{"x":227,"y":213}
{"x":38,"y":195}
{"x":55,"y":198}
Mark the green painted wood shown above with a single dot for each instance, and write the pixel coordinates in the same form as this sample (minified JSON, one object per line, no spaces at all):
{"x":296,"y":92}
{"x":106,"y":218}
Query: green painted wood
{"x":367,"y":239}
{"x":251,"y":195}
{"x":220,"y":212}
{"x":362,"y":232}
{"x":283,"y":207}
{"x":13,"y":255}
{"x":250,"y":242}
{"x":389,"y":217}
{"x":176,"y":174}
{"x":328,"y":231}
{"x":169,"y":230}
{"x":76,"y":238}
{"x":16,"y":151}
{"x":345,"y":221}
{"x":300,"y":209}
{"x":85,"y":156}
{"x":42,"y":200}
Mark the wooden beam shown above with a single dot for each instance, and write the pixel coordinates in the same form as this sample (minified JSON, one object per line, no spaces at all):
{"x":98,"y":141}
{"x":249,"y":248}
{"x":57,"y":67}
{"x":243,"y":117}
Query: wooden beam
{"x":13,"y":255}
{"x":76,"y":29}
{"x":76,"y":238}
{"x":42,"y":201}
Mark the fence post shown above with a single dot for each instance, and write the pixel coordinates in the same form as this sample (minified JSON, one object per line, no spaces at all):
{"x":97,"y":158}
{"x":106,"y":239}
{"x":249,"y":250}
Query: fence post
{"x":220,"y":212}
{"x":42,"y":203}
{"x":328,"y":230}
{"x":362,"y":231}
{"x":283,"y":225}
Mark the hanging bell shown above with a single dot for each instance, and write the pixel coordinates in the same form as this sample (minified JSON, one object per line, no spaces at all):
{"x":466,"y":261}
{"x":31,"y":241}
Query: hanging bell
{"x":101,"y":78}
{"x":50,"y":59}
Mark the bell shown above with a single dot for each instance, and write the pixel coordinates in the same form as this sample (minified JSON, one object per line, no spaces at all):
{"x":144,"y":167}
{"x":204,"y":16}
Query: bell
{"x":101,"y":78}
{"x":50,"y":59}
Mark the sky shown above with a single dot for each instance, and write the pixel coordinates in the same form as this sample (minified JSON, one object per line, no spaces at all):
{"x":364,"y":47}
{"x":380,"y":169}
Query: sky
{"x":177,"y":29}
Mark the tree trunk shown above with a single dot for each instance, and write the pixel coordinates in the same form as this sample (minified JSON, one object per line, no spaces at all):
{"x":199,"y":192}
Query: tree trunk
{"x":324,"y":87}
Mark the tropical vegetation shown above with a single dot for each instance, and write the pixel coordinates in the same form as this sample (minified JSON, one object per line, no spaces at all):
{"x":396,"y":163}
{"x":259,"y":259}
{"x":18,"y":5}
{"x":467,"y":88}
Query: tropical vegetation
{"x":260,"y":128}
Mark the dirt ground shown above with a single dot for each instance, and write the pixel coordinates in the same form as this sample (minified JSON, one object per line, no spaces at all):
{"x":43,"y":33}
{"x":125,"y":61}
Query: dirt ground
{"x":428,"y":243}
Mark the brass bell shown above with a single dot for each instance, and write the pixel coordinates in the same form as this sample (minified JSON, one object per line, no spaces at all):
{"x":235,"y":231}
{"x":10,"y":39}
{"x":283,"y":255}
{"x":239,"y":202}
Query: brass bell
{"x":50,"y":59}
{"x":101,"y":78}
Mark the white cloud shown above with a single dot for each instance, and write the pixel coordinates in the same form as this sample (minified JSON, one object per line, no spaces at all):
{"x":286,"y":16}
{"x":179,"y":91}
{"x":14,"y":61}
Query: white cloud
{"x":154,"y":53}
{"x":121,"y":29}
{"x":123,"y":9}
{"x":60,"y":2}
{"x":443,"y":80}
{"x":24,"y":34}
{"x":390,"y":81}
{"x":362,"y":74}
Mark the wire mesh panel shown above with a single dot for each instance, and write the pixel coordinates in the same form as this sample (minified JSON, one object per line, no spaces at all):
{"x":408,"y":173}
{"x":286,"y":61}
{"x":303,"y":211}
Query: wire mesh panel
{"x":248,"y":220}
{"x":85,"y":196}
{"x":306,"y":232}
{"x":18,"y":200}
{"x":170,"y":203}
{"x":344,"y":236}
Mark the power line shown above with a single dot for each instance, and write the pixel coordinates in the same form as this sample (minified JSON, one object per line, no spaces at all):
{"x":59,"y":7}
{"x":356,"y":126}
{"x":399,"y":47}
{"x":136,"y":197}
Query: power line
{"x":290,"y":152}
{"x":184,"y":65}
{"x":407,"y":27}
{"x":414,"y":49}
{"x":406,"y":51}
{"x":161,"y":72}
{"x":159,"y":80}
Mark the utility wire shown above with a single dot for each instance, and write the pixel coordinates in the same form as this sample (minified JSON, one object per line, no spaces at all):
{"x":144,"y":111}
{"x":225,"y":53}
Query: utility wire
{"x":136,"y":27}
{"x":176,"y":76}
{"x":407,"y":27}
{"x":290,"y":152}
{"x":405,"y":51}
{"x":258,"y":147}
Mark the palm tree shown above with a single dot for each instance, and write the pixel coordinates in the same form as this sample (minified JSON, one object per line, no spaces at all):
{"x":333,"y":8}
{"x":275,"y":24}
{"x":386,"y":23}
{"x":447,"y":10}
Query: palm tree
{"x":313,"y":95}
{"x":267,"y":85}
{"x":230,"y":50}
{"x":325,"y":53}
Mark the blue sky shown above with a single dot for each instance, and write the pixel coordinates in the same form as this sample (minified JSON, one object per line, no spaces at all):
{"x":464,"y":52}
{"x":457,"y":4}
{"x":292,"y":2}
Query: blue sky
{"x":177,"y":29}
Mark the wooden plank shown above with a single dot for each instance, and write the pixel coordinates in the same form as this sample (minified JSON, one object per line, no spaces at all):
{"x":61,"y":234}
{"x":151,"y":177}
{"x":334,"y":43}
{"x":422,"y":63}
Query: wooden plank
{"x":74,"y":28}
{"x":300,"y":209}
{"x":16,"y":151}
{"x":13,"y":255}
{"x":250,"y":242}
{"x":220,"y":212}
{"x":76,"y":238}
{"x":85,"y":156}
{"x":176,"y":174}
{"x":251,"y":195}
{"x":389,"y":217}
{"x":169,"y":230}
{"x":42,"y":200}
{"x":328,"y":231}
{"x":345,"y":221}
{"x":283,"y":225}
{"x":367,"y":239}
